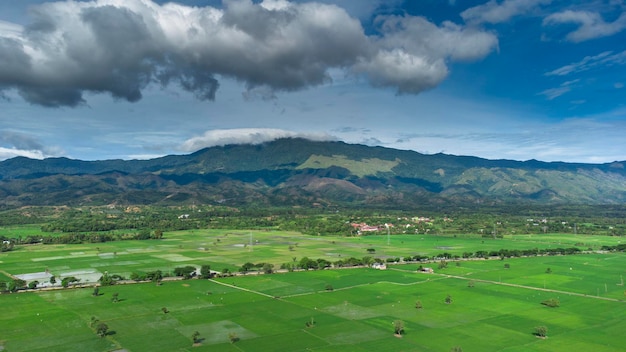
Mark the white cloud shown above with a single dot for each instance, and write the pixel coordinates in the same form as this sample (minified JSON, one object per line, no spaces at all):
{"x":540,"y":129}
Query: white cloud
{"x":223,"y":137}
{"x":604,"y":59}
{"x":412,"y":52}
{"x":591,"y":25}
{"x":14,"y":144}
{"x":8,"y":153}
{"x":10,"y":30}
{"x":554,"y":93}
{"x":362,"y":9}
{"x":558,"y":141}
{"x":120,"y":47}
{"x":494,"y":12}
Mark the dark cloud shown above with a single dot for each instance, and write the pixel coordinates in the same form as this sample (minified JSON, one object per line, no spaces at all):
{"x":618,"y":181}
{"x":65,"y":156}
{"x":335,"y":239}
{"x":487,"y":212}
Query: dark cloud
{"x":19,"y":141}
{"x":119,"y":47}
{"x":52,"y":96}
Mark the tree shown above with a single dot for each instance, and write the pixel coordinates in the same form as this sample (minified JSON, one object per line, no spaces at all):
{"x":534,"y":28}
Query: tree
{"x":155,"y":276}
{"x":541,"y":331}
{"x":470,"y":283}
{"x":233,"y":337}
{"x":187,"y":272}
{"x":246,"y":267}
{"x":53,"y":280}
{"x":268,"y":268}
{"x":367,"y":260}
{"x":456,"y":349}
{"x":306,"y":263}
{"x":106,"y":280}
{"x":398,"y":327}
{"x":16,"y":284}
{"x":96,"y":291}
{"x":195,"y":337}
{"x":418,"y":305}
{"x":165,"y":310}
{"x":102,"y":329}
{"x":94,"y":321}
{"x":68,"y":281}
{"x":205,"y":271}
{"x":33,"y":284}
{"x":507,"y":266}
{"x":548,"y":271}
{"x":329,"y":287}
{"x":371,"y":250}
{"x":311,"y":323}
{"x":115,"y":297}
{"x":448,"y":299}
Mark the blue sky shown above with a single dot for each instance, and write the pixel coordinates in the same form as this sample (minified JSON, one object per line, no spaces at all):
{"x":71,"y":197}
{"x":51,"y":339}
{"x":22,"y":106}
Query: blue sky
{"x":124,"y":79}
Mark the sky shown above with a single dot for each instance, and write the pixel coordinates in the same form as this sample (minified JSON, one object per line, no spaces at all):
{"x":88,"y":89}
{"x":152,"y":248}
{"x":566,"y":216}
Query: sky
{"x":138,"y":79}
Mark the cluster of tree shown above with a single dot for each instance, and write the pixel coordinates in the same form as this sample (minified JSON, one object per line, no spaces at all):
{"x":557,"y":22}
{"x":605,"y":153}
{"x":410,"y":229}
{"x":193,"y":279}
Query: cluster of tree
{"x":154,"y":276}
{"x":616,"y":248}
{"x":306,"y":263}
{"x":100,"y":219}
{"x":12,"y":285}
{"x":509,"y":219}
{"x":78,"y":238}
{"x":266,"y":268}
{"x":485,"y":221}
{"x":187,"y":272}
{"x":69,"y":280}
{"x":502,"y":253}
{"x":101,"y":328}
{"x":108,"y":280}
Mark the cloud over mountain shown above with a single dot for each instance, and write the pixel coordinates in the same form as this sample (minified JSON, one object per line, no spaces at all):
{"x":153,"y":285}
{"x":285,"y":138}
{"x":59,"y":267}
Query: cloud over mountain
{"x":14,"y":144}
{"x":119,"y":47}
{"x":213,"y":138}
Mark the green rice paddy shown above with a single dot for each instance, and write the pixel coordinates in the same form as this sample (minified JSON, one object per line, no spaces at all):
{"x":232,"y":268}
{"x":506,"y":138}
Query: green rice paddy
{"x":269,"y":312}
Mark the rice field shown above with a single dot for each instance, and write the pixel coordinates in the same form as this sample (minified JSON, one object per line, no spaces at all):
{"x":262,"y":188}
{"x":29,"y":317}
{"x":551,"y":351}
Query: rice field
{"x":495,"y":304}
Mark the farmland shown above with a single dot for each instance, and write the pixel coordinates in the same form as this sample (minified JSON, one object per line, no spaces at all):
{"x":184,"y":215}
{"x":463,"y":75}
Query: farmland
{"x":230,"y":249}
{"x":495,"y":304}
{"x":358,"y":311}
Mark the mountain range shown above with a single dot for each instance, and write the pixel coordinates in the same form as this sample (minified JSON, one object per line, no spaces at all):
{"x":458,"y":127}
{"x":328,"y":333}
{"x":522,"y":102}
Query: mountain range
{"x":299,"y":172}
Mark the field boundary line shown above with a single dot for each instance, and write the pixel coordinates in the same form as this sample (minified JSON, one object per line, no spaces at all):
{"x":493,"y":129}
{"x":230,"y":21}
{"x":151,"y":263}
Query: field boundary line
{"x":241,"y":288}
{"x":361,"y":285}
{"x":534,"y":288}
{"x":306,"y":331}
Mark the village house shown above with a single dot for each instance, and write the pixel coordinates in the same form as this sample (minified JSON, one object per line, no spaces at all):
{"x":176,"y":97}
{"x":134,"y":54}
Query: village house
{"x":379,"y":266}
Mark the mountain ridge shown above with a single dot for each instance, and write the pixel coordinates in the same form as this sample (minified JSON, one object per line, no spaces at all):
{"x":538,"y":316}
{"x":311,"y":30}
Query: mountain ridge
{"x":309,"y":172}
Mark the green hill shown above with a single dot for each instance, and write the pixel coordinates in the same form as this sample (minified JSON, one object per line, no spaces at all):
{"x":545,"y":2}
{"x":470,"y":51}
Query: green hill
{"x":302,"y":172}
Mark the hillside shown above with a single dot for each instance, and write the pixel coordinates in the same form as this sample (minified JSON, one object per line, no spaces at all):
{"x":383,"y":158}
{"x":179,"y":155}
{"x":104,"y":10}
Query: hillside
{"x":302,"y":172}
